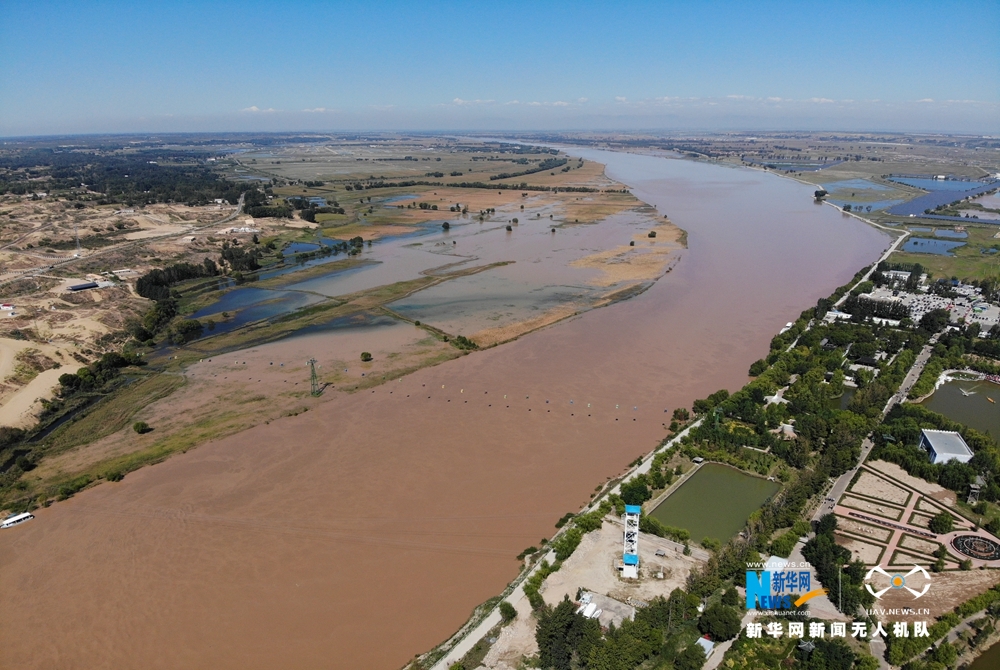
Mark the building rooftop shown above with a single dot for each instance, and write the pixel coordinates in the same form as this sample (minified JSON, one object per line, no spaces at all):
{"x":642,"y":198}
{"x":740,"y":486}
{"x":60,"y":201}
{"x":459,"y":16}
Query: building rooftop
{"x":947,"y":443}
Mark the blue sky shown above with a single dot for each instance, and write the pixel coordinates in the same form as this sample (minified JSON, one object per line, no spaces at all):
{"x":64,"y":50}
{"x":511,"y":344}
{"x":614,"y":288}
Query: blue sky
{"x":69,"y":67}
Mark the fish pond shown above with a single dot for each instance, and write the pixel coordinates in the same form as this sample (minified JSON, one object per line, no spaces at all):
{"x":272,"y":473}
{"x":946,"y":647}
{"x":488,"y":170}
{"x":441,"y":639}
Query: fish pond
{"x":922,"y":245}
{"x":969,"y":403}
{"x":715,"y":502}
{"x":938,"y":184}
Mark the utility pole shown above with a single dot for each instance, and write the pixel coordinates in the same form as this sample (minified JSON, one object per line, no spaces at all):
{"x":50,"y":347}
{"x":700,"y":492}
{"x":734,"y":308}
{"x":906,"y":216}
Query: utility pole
{"x":840,"y":589}
{"x":313,"y":377}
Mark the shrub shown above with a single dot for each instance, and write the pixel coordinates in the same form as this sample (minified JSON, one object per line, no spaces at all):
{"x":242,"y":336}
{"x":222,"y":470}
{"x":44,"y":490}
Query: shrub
{"x":567,"y":543}
{"x":72,"y":486}
{"x":507,"y":611}
{"x":141,"y":427}
{"x":365,"y":357}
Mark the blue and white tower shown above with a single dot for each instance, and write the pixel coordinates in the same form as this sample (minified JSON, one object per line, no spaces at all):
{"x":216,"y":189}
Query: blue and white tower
{"x":630,"y":555}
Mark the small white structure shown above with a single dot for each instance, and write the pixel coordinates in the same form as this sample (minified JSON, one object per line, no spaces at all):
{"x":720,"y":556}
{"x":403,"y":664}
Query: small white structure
{"x":7,"y":307}
{"x":944,"y":446}
{"x":707,"y":645}
{"x":15,"y":519}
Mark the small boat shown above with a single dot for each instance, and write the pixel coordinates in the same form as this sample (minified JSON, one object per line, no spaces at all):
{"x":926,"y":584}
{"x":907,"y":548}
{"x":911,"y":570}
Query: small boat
{"x":966,"y":393}
{"x":991,"y":400}
{"x":15,"y":519}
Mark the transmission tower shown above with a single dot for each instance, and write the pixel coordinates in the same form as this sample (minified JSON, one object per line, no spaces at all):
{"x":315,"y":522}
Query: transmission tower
{"x":313,"y":377}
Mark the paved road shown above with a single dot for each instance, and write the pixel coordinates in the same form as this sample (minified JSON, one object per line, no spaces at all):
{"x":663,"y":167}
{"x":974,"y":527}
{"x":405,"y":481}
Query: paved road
{"x":107,"y":250}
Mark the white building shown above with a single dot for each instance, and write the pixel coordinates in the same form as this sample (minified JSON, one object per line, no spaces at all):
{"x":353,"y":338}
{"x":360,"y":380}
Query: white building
{"x":945,"y":446}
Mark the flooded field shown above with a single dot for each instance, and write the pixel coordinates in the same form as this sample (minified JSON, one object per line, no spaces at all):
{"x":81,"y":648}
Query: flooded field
{"x":968,"y":403}
{"x":366,"y":529}
{"x":715,"y":502}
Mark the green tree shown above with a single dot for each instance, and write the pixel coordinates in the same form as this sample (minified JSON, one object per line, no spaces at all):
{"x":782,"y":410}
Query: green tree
{"x":720,"y":622}
{"x":560,"y":633}
{"x":365,"y":356}
{"x":691,"y":658}
{"x":636,"y":492}
{"x":141,"y":427}
{"x":941,"y":523}
{"x":935,"y":320}
{"x":186,"y":330}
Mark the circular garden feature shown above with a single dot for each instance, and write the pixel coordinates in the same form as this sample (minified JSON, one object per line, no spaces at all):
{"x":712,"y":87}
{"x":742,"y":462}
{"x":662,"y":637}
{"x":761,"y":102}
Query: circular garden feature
{"x":977,"y":547}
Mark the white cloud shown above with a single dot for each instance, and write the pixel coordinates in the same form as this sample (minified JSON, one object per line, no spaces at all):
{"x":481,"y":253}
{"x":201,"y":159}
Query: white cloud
{"x":316,"y":110}
{"x":926,"y":100}
{"x":820,"y":100}
{"x":560,"y":103}
{"x":513,"y":102}
{"x":459,"y":101}
{"x":620,"y":98}
{"x":257,"y":110}
{"x":581,"y":100}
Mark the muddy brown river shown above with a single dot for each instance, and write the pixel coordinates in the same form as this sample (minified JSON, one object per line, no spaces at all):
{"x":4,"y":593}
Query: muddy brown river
{"x":364,"y":532}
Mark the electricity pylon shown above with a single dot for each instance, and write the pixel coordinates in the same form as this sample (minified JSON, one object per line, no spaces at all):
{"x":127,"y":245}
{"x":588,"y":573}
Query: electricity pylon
{"x":313,"y":377}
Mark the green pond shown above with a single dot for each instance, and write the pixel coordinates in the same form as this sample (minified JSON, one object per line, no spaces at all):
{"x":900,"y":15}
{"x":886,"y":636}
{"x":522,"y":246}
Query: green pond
{"x":715,"y":502}
{"x":974,"y":410}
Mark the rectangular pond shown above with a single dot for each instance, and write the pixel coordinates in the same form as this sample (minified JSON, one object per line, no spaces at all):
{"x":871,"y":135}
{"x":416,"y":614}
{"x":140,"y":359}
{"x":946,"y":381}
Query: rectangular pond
{"x":715,"y":502}
{"x":939,"y":184}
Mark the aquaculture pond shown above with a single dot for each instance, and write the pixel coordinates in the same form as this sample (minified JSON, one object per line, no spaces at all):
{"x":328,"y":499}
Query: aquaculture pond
{"x":921,"y":245}
{"x":969,"y":403}
{"x":939,"y":184}
{"x":715,"y":502}
{"x":855,"y":185}
{"x":954,"y":234}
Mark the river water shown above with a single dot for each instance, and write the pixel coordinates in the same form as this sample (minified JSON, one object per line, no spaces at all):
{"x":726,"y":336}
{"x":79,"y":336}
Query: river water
{"x":365,"y":531}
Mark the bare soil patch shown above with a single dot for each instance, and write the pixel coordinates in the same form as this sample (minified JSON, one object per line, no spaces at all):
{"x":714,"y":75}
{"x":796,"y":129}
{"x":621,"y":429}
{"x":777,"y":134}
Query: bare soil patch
{"x":876,"y":487}
{"x":871,"y":507}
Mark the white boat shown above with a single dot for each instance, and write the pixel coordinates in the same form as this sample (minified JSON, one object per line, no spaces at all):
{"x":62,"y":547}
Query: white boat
{"x":15,"y":519}
{"x":966,"y":393}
